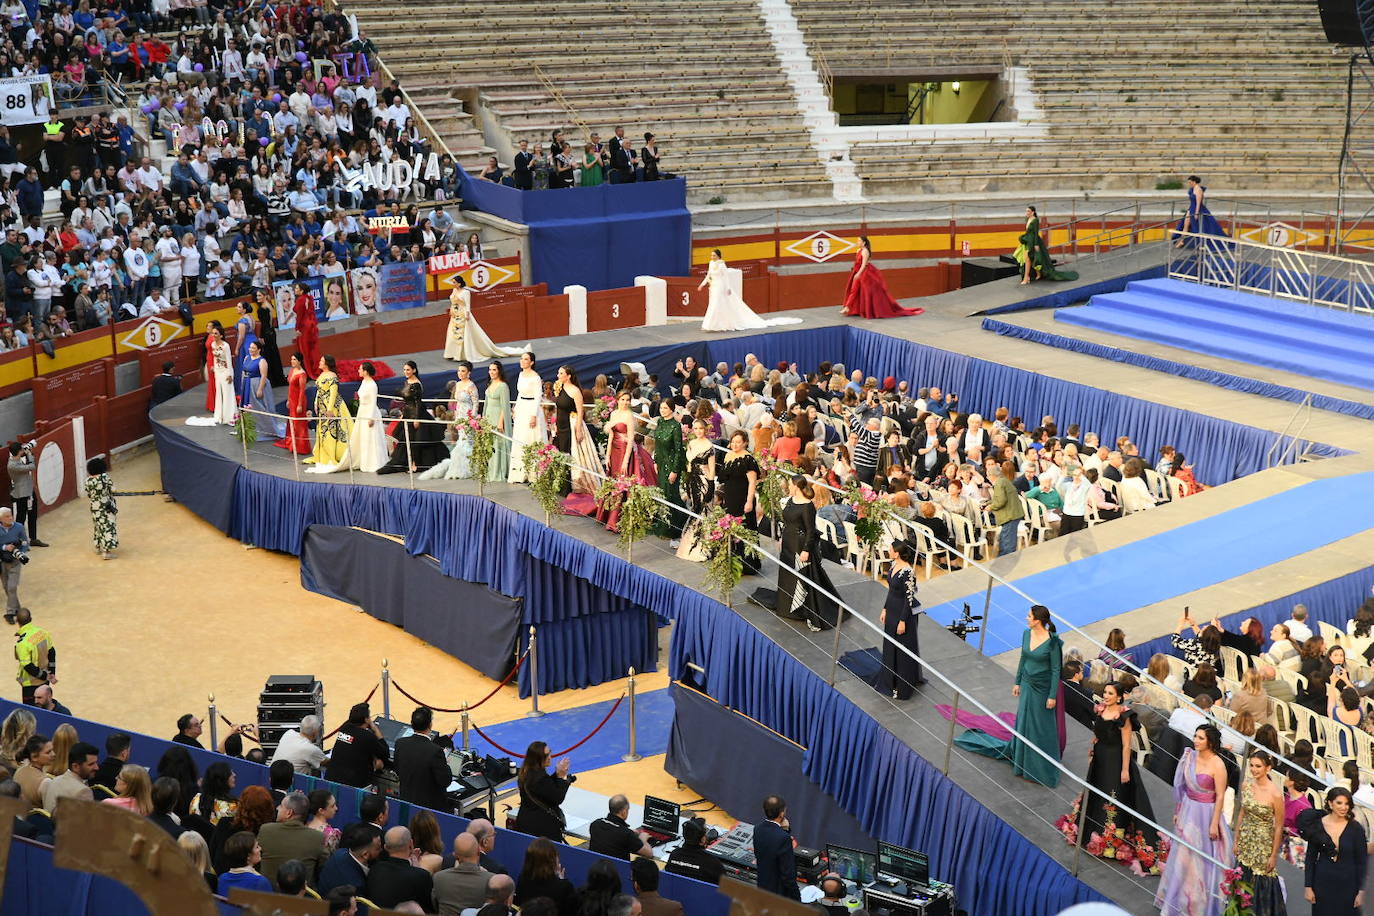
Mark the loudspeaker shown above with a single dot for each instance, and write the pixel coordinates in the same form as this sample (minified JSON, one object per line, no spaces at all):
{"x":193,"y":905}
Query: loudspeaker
{"x":1341,"y":23}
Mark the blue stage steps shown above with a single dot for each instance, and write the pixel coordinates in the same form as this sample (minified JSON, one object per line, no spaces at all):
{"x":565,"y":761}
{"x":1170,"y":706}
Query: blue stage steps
{"x":1304,"y":339}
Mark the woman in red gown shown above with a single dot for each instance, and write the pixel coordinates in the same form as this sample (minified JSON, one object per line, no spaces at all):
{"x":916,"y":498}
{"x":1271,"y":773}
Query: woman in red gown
{"x":307,"y":330}
{"x":865,"y":294}
{"x":209,"y":364}
{"x":625,"y":457}
{"x":297,"y":437}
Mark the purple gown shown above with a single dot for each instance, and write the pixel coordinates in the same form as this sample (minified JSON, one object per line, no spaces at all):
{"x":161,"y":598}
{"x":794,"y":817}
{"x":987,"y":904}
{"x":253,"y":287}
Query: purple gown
{"x":1191,"y":884}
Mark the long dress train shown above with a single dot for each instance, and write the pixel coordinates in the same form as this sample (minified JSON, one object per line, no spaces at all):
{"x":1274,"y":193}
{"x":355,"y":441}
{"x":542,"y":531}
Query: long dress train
{"x":725,"y":309}
{"x":1198,"y":219}
{"x":1037,"y":674}
{"x":1190,"y":883}
{"x":529,"y":389}
{"x":1104,"y":773}
{"x":900,"y":674}
{"x":466,"y":339}
{"x":1031,"y":245}
{"x":866,"y":294}
{"x":497,"y":412}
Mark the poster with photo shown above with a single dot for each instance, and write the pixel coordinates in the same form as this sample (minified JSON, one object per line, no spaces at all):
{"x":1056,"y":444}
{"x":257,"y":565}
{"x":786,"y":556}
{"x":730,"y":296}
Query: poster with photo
{"x":365,"y":290}
{"x":284,"y":292}
{"x":336,"y":298}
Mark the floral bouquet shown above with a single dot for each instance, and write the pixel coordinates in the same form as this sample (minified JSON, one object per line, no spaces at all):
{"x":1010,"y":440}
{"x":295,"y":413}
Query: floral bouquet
{"x":483,"y":437}
{"x":1237,"y":893}
{"x":1068,"y":823}
{"x":245,"y":428}
{"x":872,"y":512}
{"x":599,"y":410}
{"x":638,"y":504}
{"x":545,"y":469}
{"x":772,"y":486}
{"x":724,"y":566}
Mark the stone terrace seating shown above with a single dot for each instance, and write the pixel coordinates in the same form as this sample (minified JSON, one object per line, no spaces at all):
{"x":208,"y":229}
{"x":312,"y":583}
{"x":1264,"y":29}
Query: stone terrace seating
{"x":1133,"y":91}
{"x":703,"y":77}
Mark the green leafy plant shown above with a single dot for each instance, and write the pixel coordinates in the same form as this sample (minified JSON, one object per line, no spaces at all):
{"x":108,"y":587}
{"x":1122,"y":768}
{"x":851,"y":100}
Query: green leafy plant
{"x":724,"y":566}
{"x":718,"y":199}
{"x":639,"y":507}
{"x":772,"y":485}
{"x":1171,"y":184}
{"x":245,"y":428}
{"x":483,"y":438}
{"x":872,"y":513}
{"x":545,"y":469}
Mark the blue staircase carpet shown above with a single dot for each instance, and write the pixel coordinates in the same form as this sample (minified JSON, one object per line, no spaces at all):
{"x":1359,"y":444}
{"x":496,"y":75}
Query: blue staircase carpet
{"x":1308,"y":340}
{"x":563,"y":729}
{"x":1173,"y":563}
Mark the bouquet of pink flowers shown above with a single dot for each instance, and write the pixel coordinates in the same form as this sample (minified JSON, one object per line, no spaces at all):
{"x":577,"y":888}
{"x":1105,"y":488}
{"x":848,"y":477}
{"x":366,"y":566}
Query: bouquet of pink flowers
{"x":724,"y":563}
{"x":1238,"y":894}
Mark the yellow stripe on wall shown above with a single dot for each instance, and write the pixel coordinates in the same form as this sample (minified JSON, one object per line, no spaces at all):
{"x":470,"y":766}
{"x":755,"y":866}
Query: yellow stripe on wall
{"x":743,"y":251}
{"x":74,"y":355}
{"x":21,"y":370}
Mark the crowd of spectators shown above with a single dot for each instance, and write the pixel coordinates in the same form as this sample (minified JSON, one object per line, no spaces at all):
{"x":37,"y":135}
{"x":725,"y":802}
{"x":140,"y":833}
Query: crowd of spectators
{"x":265,"y":110}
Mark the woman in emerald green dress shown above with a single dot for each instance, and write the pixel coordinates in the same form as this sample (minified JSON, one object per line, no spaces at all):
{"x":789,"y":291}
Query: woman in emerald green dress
{"x":670,"y":457}
{"x":1034,"y":257}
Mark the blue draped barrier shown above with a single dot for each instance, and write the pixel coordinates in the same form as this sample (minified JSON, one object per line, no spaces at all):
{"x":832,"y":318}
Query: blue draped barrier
{"x":1068,"y":294}
{"x":695,"y":896}
{"x":1182,"y":370}
{"x":1334,"y":602}
{"x":600,"y":237}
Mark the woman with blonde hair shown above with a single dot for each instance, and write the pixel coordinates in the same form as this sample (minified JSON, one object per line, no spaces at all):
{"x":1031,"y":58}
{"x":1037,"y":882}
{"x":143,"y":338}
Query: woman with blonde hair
{"x":1159,"y":673}
{"x":198,"y":851}
{"x":133,"y":790}
{"x":18,"y":728}
{"x":62,"y":741}
{"x":1252,"y":699}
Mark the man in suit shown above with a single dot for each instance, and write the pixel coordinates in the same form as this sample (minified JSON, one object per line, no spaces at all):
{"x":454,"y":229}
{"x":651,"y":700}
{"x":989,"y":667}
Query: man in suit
{"x":1078,"y":700}
{"x":392,"y":879}
{"x":644,"y":873}
{"x":165,"y":386}
{"x":358,"y":848}
{"x":622,"y":158}
{"x":465,"y":884}
{"x":290,"y":838}
{"x":484,"y":832}
{"x":777,"y":863}
{"x":420,"y":765}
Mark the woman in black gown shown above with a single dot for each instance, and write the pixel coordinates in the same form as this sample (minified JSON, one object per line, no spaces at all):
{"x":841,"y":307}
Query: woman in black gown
{"x":1333,"y":881}
{"x":1113,"y":771}
{"x":900,"y":674}
{"x":698,"y":487}
{"x":798,"y":599}
{"x":419,"y":445}
{"x":267,"y":334}
{"x":738,"y":476}
{"x":565,"y":407}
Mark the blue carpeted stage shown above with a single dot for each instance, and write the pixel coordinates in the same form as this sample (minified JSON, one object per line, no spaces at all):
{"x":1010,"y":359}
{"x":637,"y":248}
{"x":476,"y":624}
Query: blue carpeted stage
{"x":1309,"y":340}
{"x":1183,"y":560}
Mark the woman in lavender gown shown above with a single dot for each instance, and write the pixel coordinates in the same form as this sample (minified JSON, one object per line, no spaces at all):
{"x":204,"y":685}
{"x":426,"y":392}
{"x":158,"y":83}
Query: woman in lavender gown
{"x":1191,"y":885}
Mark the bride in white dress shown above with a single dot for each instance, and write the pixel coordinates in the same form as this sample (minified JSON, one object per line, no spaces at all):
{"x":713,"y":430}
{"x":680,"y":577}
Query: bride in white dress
{"x":726,"y":311}
{"x":466,"y":339}
{"x":528,"y":416}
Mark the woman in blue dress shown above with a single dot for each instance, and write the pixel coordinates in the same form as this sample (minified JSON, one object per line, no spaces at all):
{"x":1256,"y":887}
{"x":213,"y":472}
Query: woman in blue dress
{"x":244,"y":327}
{"x":255,"y":391}
{"x":1198,"y":219}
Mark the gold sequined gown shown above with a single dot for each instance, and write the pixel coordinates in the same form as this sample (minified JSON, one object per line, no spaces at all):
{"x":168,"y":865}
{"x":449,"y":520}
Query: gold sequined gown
{"x":1254,"y":842}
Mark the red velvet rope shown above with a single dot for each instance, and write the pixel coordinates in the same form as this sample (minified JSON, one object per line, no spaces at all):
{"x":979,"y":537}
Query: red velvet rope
{"x":367,"y":699}
{"x":504,"y":682}
{"x":600,"y":725}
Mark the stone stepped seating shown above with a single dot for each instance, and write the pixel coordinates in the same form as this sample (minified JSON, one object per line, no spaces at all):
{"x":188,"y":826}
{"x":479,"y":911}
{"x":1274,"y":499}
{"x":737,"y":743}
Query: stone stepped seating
{"x":1131,"y":91}
{"x":715,"y":81}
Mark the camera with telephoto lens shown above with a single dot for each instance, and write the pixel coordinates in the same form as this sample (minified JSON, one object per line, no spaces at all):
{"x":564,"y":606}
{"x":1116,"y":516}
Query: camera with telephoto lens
{"x":964,"y":626}
{"x":9,"y":555}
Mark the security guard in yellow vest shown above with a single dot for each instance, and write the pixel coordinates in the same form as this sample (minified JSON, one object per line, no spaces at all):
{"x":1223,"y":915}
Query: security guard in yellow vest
{"x":36,"y":655}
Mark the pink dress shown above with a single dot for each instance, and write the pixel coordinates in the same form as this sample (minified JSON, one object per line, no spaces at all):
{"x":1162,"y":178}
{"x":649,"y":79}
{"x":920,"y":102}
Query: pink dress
{"x":627,"y":459}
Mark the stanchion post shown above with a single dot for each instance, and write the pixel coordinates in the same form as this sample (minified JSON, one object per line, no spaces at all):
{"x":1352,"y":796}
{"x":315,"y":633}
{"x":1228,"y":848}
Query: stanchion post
{"x":410,"y":455}
{"x":214,"y":722}
{"x":633,"y":755}
{"x":386,"y":690}
{"x":467,"y":724}
{"x":534,"y":712}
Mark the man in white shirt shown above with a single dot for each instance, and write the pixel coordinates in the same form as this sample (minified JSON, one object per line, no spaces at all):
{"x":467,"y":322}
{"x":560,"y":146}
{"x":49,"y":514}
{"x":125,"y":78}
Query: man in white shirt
{"x":168,"y":251}
{"x":137,"y":266}
{"x":1297,"y":624}
{"x":149,"y":178}
{"x":299,"y":102}
{"x":154,"y":303}
{"x":299,"y":747}
{"x":43,"y":288}
{"x":231,"y":62}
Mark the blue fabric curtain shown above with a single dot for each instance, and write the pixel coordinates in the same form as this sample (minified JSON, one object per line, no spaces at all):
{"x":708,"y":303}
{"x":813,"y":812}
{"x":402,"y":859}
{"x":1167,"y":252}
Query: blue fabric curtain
{"x":201,"y":480}
{"x":1333,"y":602}
{"x":48,"y":891}
{"x":1183,"y":370}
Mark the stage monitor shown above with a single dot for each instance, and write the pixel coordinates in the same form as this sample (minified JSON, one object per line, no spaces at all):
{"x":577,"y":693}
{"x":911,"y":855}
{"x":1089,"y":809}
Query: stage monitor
{"x":852,"y":864}
{"x":903,"y":864}
{"x":392,"y":730}
{"x":661,"y":815}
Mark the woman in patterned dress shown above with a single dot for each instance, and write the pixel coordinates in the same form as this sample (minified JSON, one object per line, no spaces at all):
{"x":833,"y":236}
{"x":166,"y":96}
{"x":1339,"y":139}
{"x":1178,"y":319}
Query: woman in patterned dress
{"x":100,"y":491}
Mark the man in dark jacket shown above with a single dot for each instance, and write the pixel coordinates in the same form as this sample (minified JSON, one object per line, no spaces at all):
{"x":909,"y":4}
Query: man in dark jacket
{"x":165,"y":386}
{"x":777,"y":863}
{"x":691,"y":858}
{"x":30,"y":192}
{"x":358,"y":848}
{"x":18,"y":291}
{"x":392,"y":879}
{"x":420,"y":765}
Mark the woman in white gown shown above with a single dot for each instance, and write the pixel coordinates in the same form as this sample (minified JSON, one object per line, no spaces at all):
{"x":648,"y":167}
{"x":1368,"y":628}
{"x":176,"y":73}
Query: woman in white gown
{"x":725,"y":310}
{"x":464,"y":393}
{"x":528,"y":416}
{"x":368,"y":445}
{"x":466,"y":339}
{"x":226,"y":405}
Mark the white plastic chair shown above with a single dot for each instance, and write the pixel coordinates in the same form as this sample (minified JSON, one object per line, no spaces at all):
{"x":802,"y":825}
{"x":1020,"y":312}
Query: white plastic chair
{"x":925,"y":542}
{"x":1036,"y":522}
{"x":1233,"y":663}
{"x":1332,"y":635}
{"x":1155,"y":483}
{"x":1177,"y":488}
{"x":856,"y":553}
{"x":965,"y":537}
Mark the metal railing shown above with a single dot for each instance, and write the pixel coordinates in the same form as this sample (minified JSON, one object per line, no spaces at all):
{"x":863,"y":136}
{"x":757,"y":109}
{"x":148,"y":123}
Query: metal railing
{"x":870,"y":631}
{"x":1282,"y":273}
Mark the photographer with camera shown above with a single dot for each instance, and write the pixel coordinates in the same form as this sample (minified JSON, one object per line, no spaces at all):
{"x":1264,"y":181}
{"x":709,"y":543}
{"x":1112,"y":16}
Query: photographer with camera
{"x":21,"y":468}
{"x":14,"y":554}
{"x":35,"y":653}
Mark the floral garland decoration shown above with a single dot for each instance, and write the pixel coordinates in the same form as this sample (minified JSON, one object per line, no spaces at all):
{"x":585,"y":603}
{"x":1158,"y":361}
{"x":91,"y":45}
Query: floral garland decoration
{"x":872,"y":513}
{"x":1113,"y":843}
{"x":245,"y":428}
{"x":639,"y":507}
{"x":772,"y":485}
{"x":724,"y":566}
{"x":545,"y":469}
{"x":1238,"y":893}
{"x":483,"y":437}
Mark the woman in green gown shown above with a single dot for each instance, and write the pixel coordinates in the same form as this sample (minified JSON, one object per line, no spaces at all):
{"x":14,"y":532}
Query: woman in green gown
{"x":592,"y":171}
{"x":670,"y":457}
{"x":497,"y":411}
{"x":1034,"y":256}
